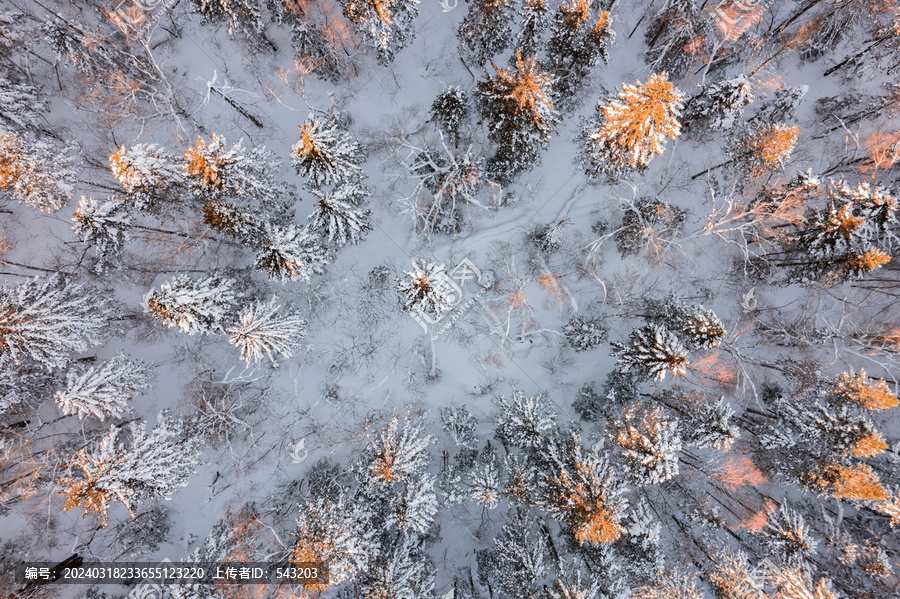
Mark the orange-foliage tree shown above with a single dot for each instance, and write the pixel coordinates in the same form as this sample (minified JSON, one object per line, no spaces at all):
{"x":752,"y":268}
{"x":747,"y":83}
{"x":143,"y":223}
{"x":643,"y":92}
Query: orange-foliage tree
{"x":630,"y":130}
{"x":581,"y":491}
{"x":520,"y":115}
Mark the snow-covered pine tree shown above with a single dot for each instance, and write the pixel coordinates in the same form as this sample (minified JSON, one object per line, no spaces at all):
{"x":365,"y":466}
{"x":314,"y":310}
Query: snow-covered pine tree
{"x":527,"y":421}
{"x":580,"y":490}
{"x":254,"y":176}
{"x":154,"y":465}
{"x":398,"y":453}
{"x":486,"y":477}
{"x":789,"y":537}
{"x":46,"y":320}
{"x":240,"y":15}
{"x":413,"y":505}
{"x":583,"y":333}
{"x":288,"y":253}
{"x":21,"y":105}
{"x":449,"y":109}
{"x":628,"y":131}
{"x":103,"y":227}
{"x":713,"y":428}
{"x":519,"y":559}
{"x":103,"y":391}
{"x":641,"y":549}
{"x":763,"y":148}
{"x":387,"y":23}
{"x":520,"y":115}
{"x":652,"y":351}
{"x":460,"y":425}
{"x":326,"y":155}
{"x":673,"y":585}
{"x":204,"y":305}
{"x":267,"y":330}
{"x":650,"y":444}
{"x":783,"y":106}
{"x":579,"y":40}
{"x":798,"y":583}
{"x":696,"y":326}
{"x":402,"y":568}
{"x":733,"y":577}
{"x":486,"y":30}
{"x":241,"y":222}
{"x":37,"y":173}
{"x":427,"y":289}
{"x":336,"y":532}
{"x":392,"y":471}
{"x":850,"y":237}
{"x":535,"y":19}
{"x":205,"y":164}
{"x":338,"y":216}
{"x":147,"y":173}
{"x":717,"y":105}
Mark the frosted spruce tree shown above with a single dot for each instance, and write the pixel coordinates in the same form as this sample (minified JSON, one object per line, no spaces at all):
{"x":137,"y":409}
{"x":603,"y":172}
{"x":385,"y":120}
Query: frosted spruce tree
{"x":713,"y":428}
{"x":402,"y":568}
{"x":696,"y":326}
{"x":485,"y":480}
{"x":519,"y":558}
{"x":649,"y":442}
{"x":325,"y":155}
{"x":718,"y":105}
{"x":426,"y":289}
{"x":788,"y":537}
{"x":392,"y":473}
{"x":103,"y":226}
{"x":47,"y":320}
{"x":516,"y":103}
{"x":151,"y":465}
{"x":583,"y":333}
{"x":388,"y":24}
{"x":267,"y":330}
{"x":244,"y":223}
{"x":247,"y":176}
{"x":486,"y":30}
{"x":239,"y":15}
{"x":148,"y":174}
{"x":630,"y":130}
{"x":204,"y":305}
{"x":37,"y":173}
{"x":526,"y":421}
{"x":535,"y":20}
{"x":651,"y":351}
{"x":339,"y":217}
{"x":103,"y":391}
{"x":288,"y":254}
{"x":450,"y":109}
{"x":21,"y":105}
{"x":336,"y":531}
{"x":579,"y":40}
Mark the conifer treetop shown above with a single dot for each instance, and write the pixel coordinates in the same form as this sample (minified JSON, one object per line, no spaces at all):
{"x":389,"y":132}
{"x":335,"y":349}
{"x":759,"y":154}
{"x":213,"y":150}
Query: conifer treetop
{"x":526,"y":89}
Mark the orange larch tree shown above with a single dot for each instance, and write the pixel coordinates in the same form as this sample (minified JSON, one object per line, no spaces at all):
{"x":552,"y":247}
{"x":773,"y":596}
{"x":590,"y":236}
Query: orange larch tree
{"x":634,"y":127}
{"x":581,"y":491}
{"x":517,"y":105}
